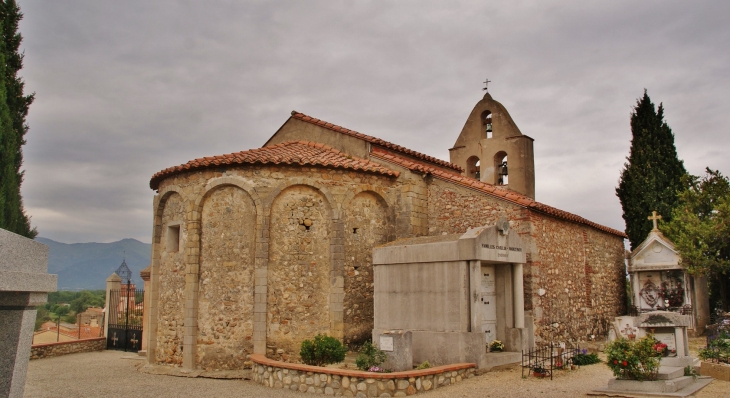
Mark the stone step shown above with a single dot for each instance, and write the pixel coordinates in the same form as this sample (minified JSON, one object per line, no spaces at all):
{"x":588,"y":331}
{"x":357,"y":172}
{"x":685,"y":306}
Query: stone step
{"x":679,"y":361}
{"x":670,"y":372}
{"x":501,"y":358}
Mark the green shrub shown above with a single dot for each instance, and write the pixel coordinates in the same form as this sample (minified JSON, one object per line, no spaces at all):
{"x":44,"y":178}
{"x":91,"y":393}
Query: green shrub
{"x":424,"y":365}
{"x":582,"y":359}
{"x":369,"y":357}
{"x":718,"y":349}
{"x":633,"y":360}
{"x":322,"y":351}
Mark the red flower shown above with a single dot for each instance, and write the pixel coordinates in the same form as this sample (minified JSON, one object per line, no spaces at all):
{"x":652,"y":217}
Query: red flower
{"x":624,"y":362}
{"x":615,"y":361}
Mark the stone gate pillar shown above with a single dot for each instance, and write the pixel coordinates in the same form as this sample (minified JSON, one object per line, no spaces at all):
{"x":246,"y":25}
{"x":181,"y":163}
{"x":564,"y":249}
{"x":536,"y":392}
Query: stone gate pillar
{"x":113,"y":282}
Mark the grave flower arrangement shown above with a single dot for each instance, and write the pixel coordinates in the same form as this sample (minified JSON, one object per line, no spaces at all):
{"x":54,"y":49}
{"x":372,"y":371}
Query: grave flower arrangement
{"x":496,"y":346}
{"x":633,"y":360}
{"x":661,"y":349}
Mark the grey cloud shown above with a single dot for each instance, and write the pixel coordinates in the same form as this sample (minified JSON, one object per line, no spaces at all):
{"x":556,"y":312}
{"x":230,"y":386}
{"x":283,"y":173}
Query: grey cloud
{"x":126,"y":89}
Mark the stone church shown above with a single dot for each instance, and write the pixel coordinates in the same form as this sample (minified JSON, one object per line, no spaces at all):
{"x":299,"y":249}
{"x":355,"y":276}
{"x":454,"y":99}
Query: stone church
{"x":255,"y":251}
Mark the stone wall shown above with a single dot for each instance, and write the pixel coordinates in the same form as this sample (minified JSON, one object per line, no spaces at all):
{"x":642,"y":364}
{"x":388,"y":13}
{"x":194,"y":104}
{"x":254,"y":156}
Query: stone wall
{"x":226,"y":297}
{"x":171,"y":301}
{"x":580,"y":268}
{"x":453,"y":210}
{"x":582,"y":273}
{"x":366,"y":226}
{"x":49,"y":350}
{"x":298,"y":277}
{"x":350,"y":383}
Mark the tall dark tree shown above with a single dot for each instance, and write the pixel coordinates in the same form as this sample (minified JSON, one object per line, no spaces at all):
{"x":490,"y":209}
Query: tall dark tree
{"x":653,"y":173}
{"x":13,"y":111}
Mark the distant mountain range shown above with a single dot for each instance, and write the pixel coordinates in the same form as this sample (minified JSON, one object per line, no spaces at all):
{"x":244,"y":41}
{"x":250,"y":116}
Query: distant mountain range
{"x":87,"y":265}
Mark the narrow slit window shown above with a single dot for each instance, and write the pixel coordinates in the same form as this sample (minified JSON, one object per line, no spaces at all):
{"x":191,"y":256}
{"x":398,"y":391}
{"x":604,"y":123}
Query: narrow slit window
{"x":173,"y":239}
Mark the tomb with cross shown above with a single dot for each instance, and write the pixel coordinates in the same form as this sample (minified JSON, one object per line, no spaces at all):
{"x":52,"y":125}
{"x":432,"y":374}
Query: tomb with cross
{"x":659,"y":282}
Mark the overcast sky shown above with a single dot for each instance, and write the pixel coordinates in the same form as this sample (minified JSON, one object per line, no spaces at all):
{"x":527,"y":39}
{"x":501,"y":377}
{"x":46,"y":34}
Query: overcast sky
{"x":127,"y":88}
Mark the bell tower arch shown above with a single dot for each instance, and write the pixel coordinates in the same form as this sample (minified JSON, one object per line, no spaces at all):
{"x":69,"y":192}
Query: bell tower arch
{"x":506,"y":155}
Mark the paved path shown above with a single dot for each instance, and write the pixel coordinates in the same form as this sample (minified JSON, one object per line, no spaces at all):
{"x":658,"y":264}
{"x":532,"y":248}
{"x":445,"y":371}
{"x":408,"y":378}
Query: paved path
{"x":108,"y":374}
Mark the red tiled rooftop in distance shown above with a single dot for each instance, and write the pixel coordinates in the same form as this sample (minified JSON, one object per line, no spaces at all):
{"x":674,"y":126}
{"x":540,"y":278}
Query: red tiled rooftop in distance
{"x":374,"y":140}
{"x":492,"y":190}
{"x":301,"y":153}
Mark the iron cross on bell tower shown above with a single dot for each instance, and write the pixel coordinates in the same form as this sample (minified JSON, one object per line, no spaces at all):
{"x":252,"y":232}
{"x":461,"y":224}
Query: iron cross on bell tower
{"x":486,"y":84}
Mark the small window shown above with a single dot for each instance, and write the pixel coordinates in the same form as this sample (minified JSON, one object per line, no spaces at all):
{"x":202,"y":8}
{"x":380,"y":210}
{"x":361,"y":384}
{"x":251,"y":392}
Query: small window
{"x":173,"y":239}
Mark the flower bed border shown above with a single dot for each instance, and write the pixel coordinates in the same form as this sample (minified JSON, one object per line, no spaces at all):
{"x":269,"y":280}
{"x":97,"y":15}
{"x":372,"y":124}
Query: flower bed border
{"x":720,"y":371}
{"x":332,"y":381}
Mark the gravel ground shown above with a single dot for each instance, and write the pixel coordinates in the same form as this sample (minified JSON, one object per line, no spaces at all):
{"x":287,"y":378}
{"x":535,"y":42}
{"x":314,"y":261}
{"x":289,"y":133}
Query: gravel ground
{"x":109,"y":374}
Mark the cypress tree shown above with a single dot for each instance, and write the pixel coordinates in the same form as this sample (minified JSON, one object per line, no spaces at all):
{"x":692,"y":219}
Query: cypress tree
{"x":652,"y":175}
{"x":13,"y":127}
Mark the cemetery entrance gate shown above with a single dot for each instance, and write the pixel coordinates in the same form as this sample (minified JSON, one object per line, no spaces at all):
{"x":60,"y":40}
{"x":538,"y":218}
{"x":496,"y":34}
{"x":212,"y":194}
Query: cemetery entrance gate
{"x":126,"y":309}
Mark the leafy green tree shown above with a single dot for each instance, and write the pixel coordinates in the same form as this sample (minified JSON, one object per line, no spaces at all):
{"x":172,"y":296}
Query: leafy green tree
{"x":653,"y":173}
{"x":41,"y":316}
{"x":700,"y":230}
{"x":13,"y":127}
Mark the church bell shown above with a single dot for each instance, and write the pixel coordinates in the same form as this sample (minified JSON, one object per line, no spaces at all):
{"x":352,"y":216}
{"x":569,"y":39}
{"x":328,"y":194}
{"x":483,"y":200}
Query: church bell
{"x":503,"y":169}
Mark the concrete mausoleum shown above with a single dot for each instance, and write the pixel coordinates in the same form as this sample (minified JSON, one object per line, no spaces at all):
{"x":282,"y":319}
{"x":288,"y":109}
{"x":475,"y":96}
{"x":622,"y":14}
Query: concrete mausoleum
{"x":255,"y":251}
{"x":455,"y":294}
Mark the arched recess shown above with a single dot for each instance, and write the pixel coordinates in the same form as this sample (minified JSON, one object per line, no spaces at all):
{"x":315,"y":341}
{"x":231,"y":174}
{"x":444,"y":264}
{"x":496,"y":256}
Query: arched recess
{"x":225,"y":296}
{"x":473,"y":167}
{"x":299,"y":270}
{"x":486,"y":119}
{"x":169,"y":279}
{"x":501,"y":177}
{"x":366,"y":224}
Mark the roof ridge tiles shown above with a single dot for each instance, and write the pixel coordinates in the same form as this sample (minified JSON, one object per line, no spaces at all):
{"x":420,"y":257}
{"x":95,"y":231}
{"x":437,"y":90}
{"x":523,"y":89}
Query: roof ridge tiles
{"x":514,"y":197}
{"x":289,"y":152}
{"x":374,"y":140}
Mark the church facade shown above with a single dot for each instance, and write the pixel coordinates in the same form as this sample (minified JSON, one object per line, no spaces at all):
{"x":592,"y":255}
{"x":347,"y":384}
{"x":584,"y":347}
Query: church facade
{"x":255,"y":251}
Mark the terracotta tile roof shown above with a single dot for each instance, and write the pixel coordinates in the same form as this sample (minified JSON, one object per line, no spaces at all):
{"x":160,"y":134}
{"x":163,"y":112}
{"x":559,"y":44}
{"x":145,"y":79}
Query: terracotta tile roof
{"x":492,"y":190}
{"x":302,"y":153}
{"x":374,"y":140}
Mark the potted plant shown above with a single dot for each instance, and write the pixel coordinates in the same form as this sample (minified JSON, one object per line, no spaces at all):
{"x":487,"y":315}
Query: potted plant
{"x":496,"y":346}
{"x":539,"y":371}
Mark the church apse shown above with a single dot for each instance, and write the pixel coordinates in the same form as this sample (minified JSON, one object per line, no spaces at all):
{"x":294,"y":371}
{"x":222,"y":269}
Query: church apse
{"x":366,"y":226}
{"x":298,"y":282}
{"x":172,"y":282}
{"x":226,"y":295}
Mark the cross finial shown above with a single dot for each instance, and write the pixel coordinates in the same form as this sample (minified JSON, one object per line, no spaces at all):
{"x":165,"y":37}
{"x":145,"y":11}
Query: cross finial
{"x":486,"y":84}
{"x":654,"y":217}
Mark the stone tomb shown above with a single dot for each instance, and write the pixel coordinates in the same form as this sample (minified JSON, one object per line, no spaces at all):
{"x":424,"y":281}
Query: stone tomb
{"x":668,"y":327}
{"x":659,"y":281}
{"x":455,"y":294}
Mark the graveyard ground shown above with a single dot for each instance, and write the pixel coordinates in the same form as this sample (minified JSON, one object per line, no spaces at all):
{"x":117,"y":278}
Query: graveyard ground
{"x":107,"y":373}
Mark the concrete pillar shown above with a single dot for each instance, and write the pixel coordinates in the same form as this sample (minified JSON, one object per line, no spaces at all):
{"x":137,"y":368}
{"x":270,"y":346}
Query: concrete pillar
{"x":680,"y":337}
{"x":113,"y":282}
{"x":519,"y":296}
{"x":145,"y":275}
{"x":24,"y":284}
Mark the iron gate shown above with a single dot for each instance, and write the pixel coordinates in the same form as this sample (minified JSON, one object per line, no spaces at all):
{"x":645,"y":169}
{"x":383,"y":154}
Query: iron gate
{"x":126,"y":307}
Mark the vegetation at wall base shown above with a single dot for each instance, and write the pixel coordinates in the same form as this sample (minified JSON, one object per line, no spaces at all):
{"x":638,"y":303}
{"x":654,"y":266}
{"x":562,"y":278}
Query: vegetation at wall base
{"x":13,"y":111}
{"x":369,"y":357}
{"x":700,"y":228}
{"x":583,"y":359}
{"x":653,"y":173}
{"x":324,"y":350}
